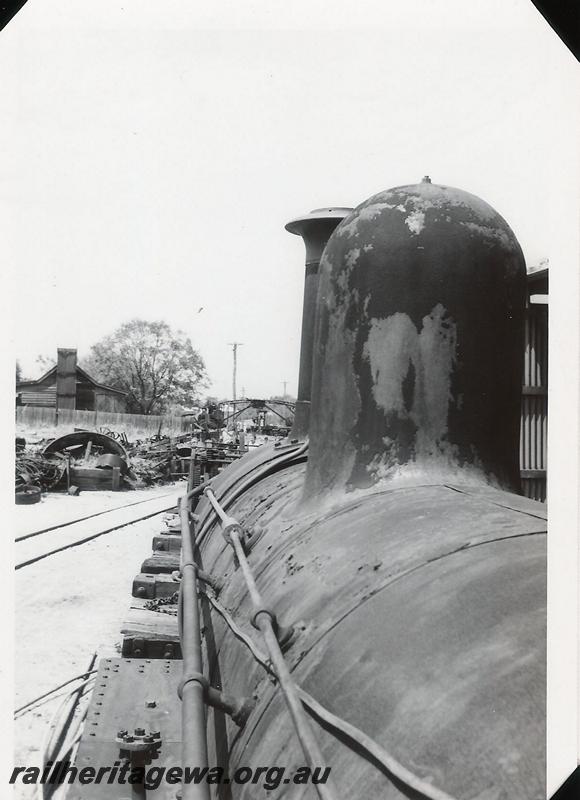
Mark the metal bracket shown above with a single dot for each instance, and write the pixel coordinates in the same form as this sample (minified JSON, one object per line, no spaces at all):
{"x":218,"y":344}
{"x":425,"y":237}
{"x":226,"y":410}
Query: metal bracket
{"x":285,"y":634}
{"x":150,"y":586}
{"x":253,"y":536}
{"x":138,"y":647}
{"x":143,"y":742}
{"x":166,"y":542}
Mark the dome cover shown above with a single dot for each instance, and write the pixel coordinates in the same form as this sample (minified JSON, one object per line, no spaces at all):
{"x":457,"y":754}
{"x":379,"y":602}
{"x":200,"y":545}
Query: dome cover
{"x":419,"y":344}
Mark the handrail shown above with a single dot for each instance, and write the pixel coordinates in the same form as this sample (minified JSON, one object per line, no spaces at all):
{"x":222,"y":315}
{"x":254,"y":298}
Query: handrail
{"x":265,"y":621}
{"x":193,"y":683}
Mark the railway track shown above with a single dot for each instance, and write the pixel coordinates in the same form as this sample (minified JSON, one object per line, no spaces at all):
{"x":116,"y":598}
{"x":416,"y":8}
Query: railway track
{"x":88,"y":516}
{"x":37,"y":545}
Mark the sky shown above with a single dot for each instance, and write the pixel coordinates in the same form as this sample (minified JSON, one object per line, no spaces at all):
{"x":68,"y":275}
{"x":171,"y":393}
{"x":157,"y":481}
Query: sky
{"x":151,"y":154}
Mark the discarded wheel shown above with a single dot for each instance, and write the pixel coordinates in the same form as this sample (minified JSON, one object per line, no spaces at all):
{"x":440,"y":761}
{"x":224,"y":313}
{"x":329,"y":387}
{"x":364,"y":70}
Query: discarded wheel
{"x":79,"y":439}
{"x":27,"y":496}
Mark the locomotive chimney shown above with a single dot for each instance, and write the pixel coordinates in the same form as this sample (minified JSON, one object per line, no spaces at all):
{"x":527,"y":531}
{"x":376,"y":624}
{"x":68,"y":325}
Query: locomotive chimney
{"x":315,"y":229}
{"x":419,"y":345}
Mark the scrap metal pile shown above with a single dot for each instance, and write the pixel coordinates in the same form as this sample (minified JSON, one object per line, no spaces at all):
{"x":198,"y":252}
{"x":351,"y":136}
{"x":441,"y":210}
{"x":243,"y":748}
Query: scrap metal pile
{"x":94,"y":460}
{"x":34,"y":473}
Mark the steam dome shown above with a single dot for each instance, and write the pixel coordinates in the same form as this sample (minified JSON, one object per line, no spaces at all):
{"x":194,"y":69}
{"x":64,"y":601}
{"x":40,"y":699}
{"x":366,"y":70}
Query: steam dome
{"x":419,"y":312}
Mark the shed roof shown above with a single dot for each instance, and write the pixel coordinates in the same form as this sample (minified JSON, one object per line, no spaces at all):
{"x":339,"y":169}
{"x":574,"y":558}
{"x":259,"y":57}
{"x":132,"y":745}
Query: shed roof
{"x":80,"y":373}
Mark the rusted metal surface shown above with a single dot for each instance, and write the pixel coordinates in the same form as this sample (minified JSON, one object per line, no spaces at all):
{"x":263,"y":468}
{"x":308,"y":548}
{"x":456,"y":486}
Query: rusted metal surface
{"x":418,"y":352}
{"x":130,"y":694}
{"x":315,"y":228}
{"x":374,"y":644}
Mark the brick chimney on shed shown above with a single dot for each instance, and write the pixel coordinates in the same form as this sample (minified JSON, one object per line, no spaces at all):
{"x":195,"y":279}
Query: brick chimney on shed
{"x":66,"y":378}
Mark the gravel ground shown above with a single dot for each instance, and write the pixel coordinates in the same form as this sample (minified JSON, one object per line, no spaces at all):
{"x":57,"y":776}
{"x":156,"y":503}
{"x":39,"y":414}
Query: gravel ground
{"x":70,"y":604}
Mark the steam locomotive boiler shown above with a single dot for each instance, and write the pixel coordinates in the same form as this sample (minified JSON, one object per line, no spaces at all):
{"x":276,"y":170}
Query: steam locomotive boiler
{"x":387,"y":534}
{"x":368,"y":594}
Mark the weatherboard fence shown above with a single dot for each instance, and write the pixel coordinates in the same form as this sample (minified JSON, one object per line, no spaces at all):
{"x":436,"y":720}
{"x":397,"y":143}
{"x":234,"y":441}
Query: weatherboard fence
{"x":135,"y":426}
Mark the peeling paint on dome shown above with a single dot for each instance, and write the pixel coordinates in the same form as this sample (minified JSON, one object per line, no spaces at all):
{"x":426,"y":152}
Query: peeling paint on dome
{"x":492,"y":233}
{"x":399,"y":353}
{"x":352,"y":257}
{"x":416,"y":222}
{"x":365,"y":214}
{"x":439,"y":196}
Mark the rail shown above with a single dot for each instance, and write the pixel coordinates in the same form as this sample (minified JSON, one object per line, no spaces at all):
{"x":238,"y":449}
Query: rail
{"x":88,"y":538}
{"x":89,"y":516}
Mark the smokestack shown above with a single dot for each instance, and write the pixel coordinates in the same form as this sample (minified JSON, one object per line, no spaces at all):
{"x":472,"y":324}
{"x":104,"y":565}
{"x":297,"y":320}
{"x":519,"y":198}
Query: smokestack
{"x":419,"y":345}
{"x":66,"y":378}
{"x":315,"y":229}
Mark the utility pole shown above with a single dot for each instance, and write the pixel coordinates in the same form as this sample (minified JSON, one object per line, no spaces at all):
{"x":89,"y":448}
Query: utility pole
{"x":284,"y":383}
{"x":234,"y":346}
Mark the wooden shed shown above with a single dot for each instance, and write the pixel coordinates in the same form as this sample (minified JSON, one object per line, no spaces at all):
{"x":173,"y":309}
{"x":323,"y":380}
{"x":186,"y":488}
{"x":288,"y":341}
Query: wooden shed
{"x":74,"y":387}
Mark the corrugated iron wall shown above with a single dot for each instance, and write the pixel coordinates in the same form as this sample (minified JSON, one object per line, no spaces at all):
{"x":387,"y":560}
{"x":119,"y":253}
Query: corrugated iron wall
{"x":534,"y":429}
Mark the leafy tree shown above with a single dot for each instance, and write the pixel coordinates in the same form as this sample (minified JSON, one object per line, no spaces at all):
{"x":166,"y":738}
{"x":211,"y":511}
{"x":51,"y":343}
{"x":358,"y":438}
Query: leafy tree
{"x":156,"y":366}
{"x":18,"y":371}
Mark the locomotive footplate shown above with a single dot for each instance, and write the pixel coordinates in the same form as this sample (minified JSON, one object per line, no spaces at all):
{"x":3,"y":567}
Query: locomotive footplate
{"x":134,"y":721}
